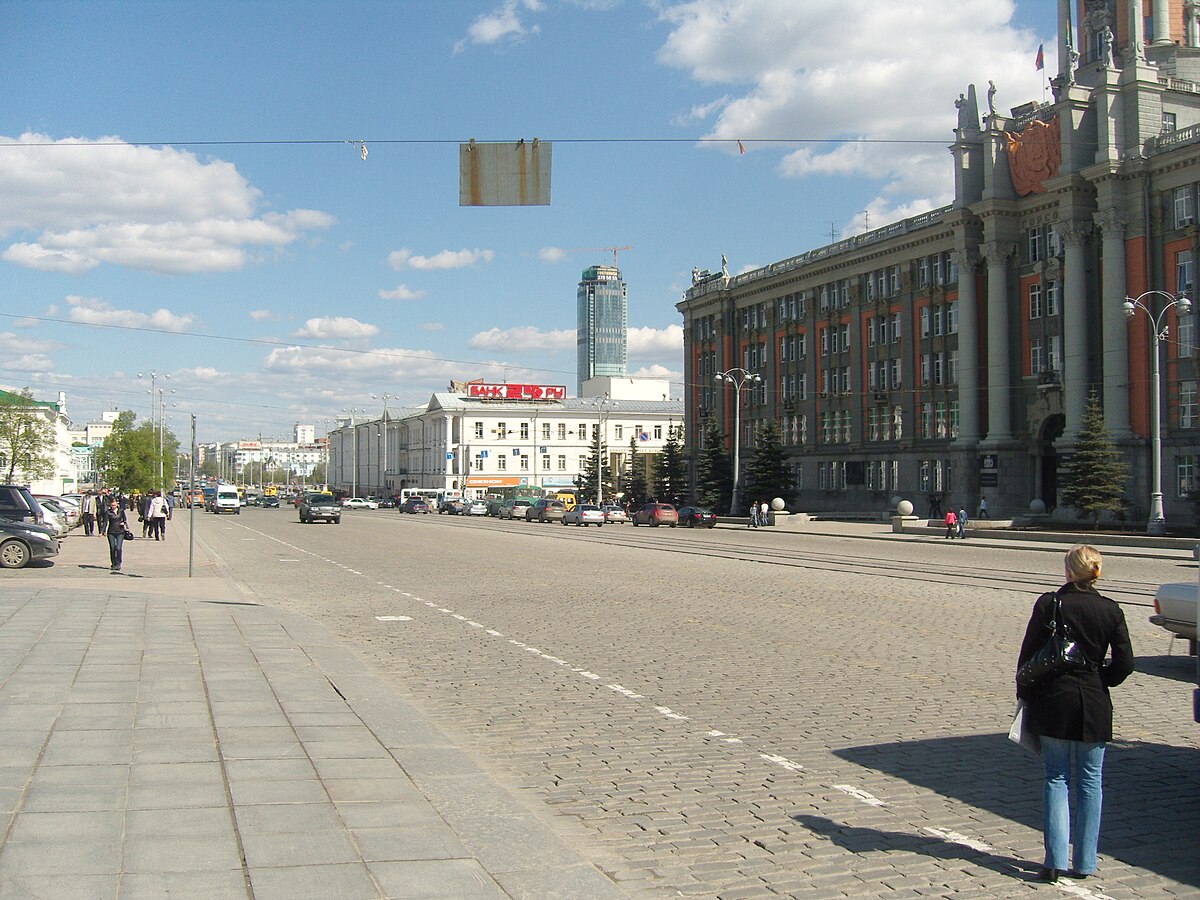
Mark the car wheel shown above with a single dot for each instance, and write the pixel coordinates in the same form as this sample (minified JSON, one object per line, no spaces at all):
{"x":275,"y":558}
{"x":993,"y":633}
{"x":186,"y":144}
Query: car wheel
{"x":14,"y":554}
{"x":337,"y":521}
{"x":635,"y":523}
{"x":672,"y":526}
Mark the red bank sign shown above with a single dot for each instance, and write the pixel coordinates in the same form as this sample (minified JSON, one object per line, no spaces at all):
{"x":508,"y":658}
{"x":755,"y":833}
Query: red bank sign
{"x":517,"y":391}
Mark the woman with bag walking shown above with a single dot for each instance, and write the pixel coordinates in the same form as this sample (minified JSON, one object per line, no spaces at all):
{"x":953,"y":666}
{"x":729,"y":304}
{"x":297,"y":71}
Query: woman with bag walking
{"x":1072,"y":712}
{"x":117,"y":531}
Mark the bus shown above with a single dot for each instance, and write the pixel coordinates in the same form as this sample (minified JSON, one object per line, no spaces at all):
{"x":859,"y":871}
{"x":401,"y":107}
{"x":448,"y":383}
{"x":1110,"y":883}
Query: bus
{"x":429,"y":495}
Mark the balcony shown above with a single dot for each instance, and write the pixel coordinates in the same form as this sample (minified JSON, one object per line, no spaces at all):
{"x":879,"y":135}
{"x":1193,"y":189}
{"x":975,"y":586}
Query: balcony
{"x":1049,"y":378}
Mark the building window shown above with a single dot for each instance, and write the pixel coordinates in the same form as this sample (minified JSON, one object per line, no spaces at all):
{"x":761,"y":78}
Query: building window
{"x":562,"y":463}
{"x":562,"y":431}
{"x":501,"y":462}
{"x":658,"y":432}
{"x":952,"y":367}
{"x":952,"y":318}
{"x":1187,"y":404}
{"x":898,"y":423}
{"x":545,"y":431}
{"x":1035,"y":301}
{"x":937,"y":321}
{"x":524,"y":463}
{"x":1186,"y":328}
{"x":896,"y":328}
{"x":1037,"y":357}
{"x":925,"y":325}
{"x":894,"y":280}
{"x":939,"y":368}
{"x":924,"y":368}
{"x":1185,"y":209}
{"x":824,"y":341}
{"x":923,"y":272}
{"x":619,"y":432}
{"x":1168,"y":122}
{"x":479,"y":431}
{"x":926,"y":420}
{"x":502,"y":429}
{"x":1183,"y":272}
{"x":478,"y":462}
{"x":545,"y":462}
{"x":896,"y":374}
{"x":524,"y":431}
{"x":1035,"y":243}
{"x":1185,"y":476}
{"x":1052,"y":298}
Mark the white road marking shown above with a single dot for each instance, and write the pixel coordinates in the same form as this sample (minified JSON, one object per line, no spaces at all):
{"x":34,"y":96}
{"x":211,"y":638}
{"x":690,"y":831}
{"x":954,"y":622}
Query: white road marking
{"x":860,"y":794}
{"x":1080,"y":891}
{"x":782,"y":761}
{"x":666,"y":711}
{"x":955,"y":838}
{"x":393,"y":618}
{"x":632,"y":695}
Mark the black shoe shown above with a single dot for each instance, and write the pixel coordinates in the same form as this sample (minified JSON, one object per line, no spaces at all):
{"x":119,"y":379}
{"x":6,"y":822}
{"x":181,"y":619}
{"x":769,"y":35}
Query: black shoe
{"x":1050,"y":876}
{"x":1079,"y":876}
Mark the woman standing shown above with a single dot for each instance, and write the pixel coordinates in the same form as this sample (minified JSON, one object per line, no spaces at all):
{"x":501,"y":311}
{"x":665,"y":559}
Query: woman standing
{"x":115,"y":517}
{"x":1072,"y":713}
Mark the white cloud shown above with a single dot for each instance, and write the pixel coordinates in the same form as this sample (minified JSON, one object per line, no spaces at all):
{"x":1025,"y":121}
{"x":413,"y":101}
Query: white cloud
{"x":657,"y":371}
{"x":899,"y":65}
{"x":552,"y":254}
{"x":326,"y":362}
{"x":446,"y":259}
{"x":526,"y":337}
{"x":432,"y":326}
{"x":335,"y":328}
{"x":502,"y":24}
{"x":649,"y":343}
{"x":90,"y":311}
{"x":79,"y":204}
{"x":261,"y":315}
{"x":401,"y":292}
{"x":27,"y":362}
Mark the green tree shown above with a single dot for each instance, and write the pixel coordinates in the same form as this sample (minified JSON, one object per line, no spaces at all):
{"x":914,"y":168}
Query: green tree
{"x":130,"y":458}
{"x":1095,"y":482}
{"x":26,"y":437}
{"x":635,"y":484}
{"x":767,"y":474}
{"x":714,"y":469}
{"x":586,"y":480}
{"x":670,"y":474}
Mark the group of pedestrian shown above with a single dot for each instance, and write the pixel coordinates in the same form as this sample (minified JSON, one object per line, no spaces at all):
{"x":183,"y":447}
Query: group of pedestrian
{"x":759,"y":513}
{"x":956,"y":523}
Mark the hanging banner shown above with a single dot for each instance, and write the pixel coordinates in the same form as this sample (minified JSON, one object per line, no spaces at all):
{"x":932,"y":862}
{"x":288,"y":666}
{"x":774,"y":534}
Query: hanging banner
{"x":504,"y":174}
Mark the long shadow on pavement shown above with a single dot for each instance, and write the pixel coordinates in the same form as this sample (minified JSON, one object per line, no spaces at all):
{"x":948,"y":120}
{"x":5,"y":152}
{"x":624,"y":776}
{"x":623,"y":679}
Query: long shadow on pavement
{"x":1151,"y":791}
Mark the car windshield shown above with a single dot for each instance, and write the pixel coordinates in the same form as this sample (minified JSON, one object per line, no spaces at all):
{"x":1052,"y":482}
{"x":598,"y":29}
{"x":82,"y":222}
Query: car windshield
{"x":320,"y":498}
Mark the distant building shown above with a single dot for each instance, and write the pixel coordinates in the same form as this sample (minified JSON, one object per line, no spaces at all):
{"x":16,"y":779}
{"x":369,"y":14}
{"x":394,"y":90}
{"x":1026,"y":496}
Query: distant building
{"x":602,"y":332}
{"x":64,"y":456}
{"x":951,"y":355}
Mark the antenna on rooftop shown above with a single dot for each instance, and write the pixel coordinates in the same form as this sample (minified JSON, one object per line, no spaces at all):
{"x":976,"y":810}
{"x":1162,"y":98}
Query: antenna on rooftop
{"x":612,"y":250}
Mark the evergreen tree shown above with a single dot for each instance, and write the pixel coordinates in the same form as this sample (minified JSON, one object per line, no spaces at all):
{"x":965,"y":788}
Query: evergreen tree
{"x":634,"y":484}
{"x":767,"y":474}
{"x":1097,"y":476}
{"x":26,"y":438}
{"x":670,"y":476}
{"x":586,"y":481}
{"x":714,"y":469}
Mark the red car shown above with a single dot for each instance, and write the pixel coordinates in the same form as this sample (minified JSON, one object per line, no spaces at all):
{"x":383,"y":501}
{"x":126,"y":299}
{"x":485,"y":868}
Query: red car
{"x":655,"y":514}
{"x":697,"y":517}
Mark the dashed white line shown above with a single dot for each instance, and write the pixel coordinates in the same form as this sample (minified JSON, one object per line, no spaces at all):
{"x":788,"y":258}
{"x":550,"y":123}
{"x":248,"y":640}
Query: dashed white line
{"x":782,"y":761}
{"x":666,"y":711}
{"x":859,"y":794}
{"x":393,"y":618}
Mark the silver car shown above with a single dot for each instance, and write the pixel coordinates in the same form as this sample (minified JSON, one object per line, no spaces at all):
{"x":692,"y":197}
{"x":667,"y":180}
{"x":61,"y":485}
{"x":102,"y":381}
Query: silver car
{"x":585,"y":514}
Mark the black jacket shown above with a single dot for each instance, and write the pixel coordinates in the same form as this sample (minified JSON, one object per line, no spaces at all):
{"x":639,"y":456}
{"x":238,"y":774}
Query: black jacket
{"x":1076,"y":706}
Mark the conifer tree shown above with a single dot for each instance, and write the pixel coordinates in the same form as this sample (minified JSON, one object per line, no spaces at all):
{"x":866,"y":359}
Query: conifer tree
{"x":1097,"y":477}
{"x":767,"y":474}
{"x":714,"y":471}
{"x":634,"y":484}
{"x":670,"y":476}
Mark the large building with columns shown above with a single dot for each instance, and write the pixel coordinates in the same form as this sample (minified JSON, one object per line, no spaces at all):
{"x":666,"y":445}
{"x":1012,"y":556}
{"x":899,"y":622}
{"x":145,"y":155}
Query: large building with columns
{"x":951,"y":355}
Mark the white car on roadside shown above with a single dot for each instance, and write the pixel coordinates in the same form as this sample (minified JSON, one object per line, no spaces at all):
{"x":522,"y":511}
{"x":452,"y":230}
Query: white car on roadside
{"x":359,"y":503}
{"x":1175,"y":609}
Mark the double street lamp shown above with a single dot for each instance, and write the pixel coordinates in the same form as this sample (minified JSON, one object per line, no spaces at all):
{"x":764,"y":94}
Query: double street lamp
{"x":383,"y":429}
{"x":1157,"y":523}
{"x":739,"y":378}
{"x":354,"y":467}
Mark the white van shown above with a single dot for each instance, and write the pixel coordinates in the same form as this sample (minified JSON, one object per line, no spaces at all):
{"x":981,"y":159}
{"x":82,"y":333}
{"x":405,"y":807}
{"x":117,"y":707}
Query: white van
{"x":227,"y":500}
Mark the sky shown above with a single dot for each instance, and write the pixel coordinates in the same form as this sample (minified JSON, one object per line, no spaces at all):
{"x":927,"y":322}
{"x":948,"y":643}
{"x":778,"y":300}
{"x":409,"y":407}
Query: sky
{"x":183,"y":190}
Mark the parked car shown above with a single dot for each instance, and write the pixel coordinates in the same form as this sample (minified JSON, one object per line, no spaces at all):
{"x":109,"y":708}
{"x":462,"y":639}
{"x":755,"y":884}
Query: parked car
{"x":414,"y":505}
{"x":475,"y":508}
{"x":655,"y":514}
{"x":53,"y":516}
{"x":271,"y":501}
{"x":24,"y":542}
{"x":613,"y":514}
{"x":514,"y":509}
{"x":359,"y":503}
{"x":17,"y":503}
{"x":697,"y":517}
{"x":451,"y":505}
{"x":320,"y":507}
{"x":387,"y":502}
{"x":65,"y":508}
{"x":585,"y":514}
{"x":1175,"y":610}
{"x":546,"y":511}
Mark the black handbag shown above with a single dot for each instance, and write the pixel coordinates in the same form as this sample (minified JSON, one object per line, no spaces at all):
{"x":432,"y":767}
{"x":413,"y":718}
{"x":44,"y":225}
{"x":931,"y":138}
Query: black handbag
{"x":1060,"y":654}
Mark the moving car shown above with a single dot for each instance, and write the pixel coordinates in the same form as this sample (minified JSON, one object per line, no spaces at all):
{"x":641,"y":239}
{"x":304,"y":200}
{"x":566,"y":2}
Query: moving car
{"x":697,"y":517}
{"x":475,"y":508}
{"x":414,"y":505}
{"x":359,"y":503}
{"x":270,"y":501}
{"x":514,"y":509}
{"x":322,"y":507}
{"x":226,"y":499}
{"x":1175,"y":610}
{"x":23,"y":542}
{"x":655,"y":514}
{"x":613,"y":514}
{"x":546,"y":511}
{"x":585,"y":514}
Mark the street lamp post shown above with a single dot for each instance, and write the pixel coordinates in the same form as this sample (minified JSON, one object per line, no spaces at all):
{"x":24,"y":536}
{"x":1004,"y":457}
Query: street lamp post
{"x":354,"y":465}
{"x":383,"y":423}
{"x":739,"y":378}
{"x":1157,"y":523}
{"x":601,"y":419}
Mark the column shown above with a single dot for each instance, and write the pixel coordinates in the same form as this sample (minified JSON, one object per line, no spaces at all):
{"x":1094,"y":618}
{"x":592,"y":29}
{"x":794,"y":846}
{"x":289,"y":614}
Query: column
{"x":1065,"y":39}
{"x":999,"y":381}
{"x":1162,"y":22}
{"x":1114,"y":327}
{"x":968,"y":349}
{"x":1135,"y":49}
{"x":1074,"y":298}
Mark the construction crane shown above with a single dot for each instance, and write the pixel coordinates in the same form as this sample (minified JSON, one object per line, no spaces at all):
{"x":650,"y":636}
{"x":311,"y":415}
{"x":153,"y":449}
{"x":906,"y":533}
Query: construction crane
{"x":612,"y":250}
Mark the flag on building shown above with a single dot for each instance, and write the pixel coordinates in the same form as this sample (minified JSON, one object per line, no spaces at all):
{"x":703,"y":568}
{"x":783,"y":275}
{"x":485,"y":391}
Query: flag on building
{"x":1040,"y":62}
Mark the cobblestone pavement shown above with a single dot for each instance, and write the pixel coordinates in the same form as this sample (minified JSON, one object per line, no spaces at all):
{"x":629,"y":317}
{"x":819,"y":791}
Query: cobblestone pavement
{"x":737,"y":713}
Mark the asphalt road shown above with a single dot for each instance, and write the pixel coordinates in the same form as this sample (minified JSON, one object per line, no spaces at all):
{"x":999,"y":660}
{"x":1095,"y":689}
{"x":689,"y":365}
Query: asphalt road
{"x":744,"y":713}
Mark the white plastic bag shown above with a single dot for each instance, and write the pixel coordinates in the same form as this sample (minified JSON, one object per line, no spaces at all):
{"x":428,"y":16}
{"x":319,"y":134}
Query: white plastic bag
{"x":1019,"y":732}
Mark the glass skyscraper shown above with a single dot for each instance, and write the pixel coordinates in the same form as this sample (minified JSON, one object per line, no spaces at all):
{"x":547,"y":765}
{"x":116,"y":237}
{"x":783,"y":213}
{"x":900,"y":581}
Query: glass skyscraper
{"x":603,"y":318}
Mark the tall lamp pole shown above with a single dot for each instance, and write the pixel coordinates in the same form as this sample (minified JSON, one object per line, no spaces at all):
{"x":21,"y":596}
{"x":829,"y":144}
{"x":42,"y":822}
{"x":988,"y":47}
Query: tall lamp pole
{"x":601,"y":418}
{"x":383,"y":424}
{"x":739,"y":378}
{"x":1157,"y":523}
{"x":354,"y":466}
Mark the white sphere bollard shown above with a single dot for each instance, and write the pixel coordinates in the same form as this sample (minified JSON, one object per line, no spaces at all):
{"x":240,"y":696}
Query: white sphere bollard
{"x":1038,"y":507}
{"x":777,"y":504}
{"x":904,"y":508}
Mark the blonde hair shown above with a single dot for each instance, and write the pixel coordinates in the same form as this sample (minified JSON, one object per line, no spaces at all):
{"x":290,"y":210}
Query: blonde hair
{"x":1083,"y":564}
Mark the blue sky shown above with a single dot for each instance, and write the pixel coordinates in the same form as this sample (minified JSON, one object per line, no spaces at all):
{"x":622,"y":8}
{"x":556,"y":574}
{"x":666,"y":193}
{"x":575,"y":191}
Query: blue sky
{"x":181,"y":193}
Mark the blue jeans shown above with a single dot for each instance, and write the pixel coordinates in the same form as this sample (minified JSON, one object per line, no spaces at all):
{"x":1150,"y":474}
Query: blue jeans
{"x":1057,"y":756}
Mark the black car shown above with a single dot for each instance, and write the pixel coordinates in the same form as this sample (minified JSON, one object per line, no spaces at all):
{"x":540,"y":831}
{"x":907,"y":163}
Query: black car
{"x":387,"y":503}
{"x":17,"y":504}
{"x":23,"y":542}
{"x":320,"y":506}
{"x":697,"y":517}
{"x":269,"y":502}
{"x":414,"y":505}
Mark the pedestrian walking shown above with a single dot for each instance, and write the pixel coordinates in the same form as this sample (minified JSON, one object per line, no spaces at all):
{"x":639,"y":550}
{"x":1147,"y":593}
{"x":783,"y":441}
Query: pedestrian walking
{"x":143,"y":506}
{"x":951,"y":524}
{"x":983,"y":510}
{"x":753,"y":523}
{"x":88,"y":514}
{"x":962,"y":522}
{"x":1072,"y":713}
{"x":117,"y":529}
{"x":102,"y":512}
{"x":763,"y":513}
{"x":156,"y":515}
